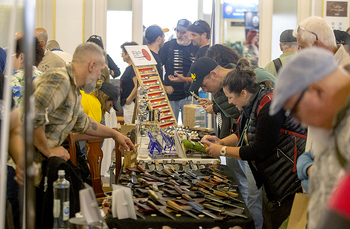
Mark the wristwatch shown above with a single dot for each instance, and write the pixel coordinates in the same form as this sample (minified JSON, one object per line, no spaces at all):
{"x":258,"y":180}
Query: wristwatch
{"x":223,"y":151}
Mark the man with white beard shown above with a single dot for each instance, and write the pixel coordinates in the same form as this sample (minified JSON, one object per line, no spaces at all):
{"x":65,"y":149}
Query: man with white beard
{"x":58,"y":109}
{"x":177,"y":56}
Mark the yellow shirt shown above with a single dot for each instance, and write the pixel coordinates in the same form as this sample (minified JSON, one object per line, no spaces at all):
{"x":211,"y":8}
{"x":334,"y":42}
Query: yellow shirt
{"x":92,"y":106}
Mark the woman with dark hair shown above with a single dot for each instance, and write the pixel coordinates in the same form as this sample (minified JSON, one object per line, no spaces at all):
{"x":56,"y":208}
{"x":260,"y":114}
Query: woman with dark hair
{"x":128,"y":85}
{"x":17,"y":80}
{"x":251,"y":47}
{"x":223,"y":55}
{"x":268,"y":143}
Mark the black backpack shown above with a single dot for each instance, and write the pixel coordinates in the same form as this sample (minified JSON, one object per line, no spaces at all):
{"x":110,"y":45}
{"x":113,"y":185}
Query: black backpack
{"x":44,"y":194}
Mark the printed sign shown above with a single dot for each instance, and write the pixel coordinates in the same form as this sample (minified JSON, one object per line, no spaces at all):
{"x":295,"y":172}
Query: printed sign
{"x":336,"y":14}
{"x":235,"y":10}
{"x":140,"y":55}
{"x":337,"y":9}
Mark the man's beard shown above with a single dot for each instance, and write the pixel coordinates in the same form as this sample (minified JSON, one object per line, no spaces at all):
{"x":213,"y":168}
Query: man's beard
{"x":184,"y":42}
{"x":90,"y":87}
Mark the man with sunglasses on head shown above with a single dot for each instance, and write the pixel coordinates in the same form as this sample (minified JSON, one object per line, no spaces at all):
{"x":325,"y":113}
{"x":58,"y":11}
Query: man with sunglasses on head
{"x":177,"y":56}
{"x":316,"y":32}
{"x":316,"y":91}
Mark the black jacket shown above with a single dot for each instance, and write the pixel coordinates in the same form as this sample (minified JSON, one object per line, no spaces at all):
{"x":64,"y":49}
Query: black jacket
{"x":269,"y":152}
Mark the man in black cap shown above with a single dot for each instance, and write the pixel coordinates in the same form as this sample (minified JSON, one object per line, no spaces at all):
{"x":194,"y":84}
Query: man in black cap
{"x":155,"y":39}
{"x":177,"y":56}
{"x":288,"y":46}
{"x":114,"y":70}
{"x":342,"y":38}
{"x":200,"y":36}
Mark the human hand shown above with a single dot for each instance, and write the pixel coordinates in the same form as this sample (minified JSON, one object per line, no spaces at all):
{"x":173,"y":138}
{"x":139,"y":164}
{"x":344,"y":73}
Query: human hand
{"x":169,"y":89}
{"x":211,"y":139}
{"x":124,"y":142}
{"x":209,"y":109}
{"x":177,"y":79}
{"x":59,"y":151}
{"x":204,"y":102}
{"x":213,"y":150}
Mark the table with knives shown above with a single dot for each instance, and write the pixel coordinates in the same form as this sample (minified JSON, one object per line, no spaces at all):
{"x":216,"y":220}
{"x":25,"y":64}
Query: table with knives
{"x":183,"y":195}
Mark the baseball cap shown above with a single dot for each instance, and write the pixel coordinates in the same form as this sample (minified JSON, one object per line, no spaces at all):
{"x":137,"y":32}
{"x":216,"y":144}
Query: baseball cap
{"x":341,"y":37}
{"x":287,"y":36}
{"x":308,"y":66}
{"x":200,"y":69}
{"x":96,"y":39}
{"x":200,"y":27}
{"x":110,"y":90}
{"x":153,"y":32}
{"x":182,"y":25}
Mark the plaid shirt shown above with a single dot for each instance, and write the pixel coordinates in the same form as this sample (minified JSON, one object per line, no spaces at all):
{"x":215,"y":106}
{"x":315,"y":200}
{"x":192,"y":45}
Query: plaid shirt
{"x":58,"y":105}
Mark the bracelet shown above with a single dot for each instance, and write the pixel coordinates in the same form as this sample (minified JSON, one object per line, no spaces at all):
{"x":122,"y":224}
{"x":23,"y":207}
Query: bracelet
{"x":186,"y":79}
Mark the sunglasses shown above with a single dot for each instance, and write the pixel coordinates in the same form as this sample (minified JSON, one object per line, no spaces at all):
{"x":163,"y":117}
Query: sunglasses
{"x":96,"y":37}
{"x":301,"y":28}
{"x":293,"y":110}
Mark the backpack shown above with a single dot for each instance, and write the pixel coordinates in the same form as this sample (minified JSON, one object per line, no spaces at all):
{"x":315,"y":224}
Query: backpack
{"x":44,"y":194}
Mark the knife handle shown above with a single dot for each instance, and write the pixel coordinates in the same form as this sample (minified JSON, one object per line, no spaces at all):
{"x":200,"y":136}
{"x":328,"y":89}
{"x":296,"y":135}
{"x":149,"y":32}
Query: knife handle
{"x":187,"y":197}
{"x":178,"y":189}
{"x":232,"y":194}
{"x":173,"y":205}
{"x":153,"y":195}
{"x":140,"y":168}
{"x":153,"y":205}
{"x":220,"y":193}
{"x":174,"y":182}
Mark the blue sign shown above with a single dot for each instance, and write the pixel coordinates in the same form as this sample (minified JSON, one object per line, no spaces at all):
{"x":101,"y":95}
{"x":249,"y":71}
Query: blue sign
{"x":236,"y":10}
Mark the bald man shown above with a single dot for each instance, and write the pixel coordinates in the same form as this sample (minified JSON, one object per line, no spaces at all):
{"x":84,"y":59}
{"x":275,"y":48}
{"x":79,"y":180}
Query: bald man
{"x":50,"y":59}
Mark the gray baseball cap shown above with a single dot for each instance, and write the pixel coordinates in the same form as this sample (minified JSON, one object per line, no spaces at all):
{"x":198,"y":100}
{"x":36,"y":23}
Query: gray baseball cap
{"x":287,"y":36}
{"x":308,"y":66}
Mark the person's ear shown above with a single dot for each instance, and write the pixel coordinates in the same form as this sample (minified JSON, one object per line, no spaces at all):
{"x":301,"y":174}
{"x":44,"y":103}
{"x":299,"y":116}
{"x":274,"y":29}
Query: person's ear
{"x":281,"y":47}
{"x":91,"y":66}
{"x":21,"y":57}
{"x":244,"y":93}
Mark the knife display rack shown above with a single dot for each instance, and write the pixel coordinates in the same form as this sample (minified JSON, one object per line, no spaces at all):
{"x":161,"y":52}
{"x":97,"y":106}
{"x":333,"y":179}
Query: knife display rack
{"x":157,"y":99}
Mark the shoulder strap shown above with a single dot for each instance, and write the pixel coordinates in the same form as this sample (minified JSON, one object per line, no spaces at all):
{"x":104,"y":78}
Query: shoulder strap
{"x":278,"y":64}
{"x":267,"y":98}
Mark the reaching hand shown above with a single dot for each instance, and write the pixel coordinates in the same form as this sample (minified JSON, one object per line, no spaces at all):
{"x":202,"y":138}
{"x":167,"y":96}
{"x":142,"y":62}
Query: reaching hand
{"x":204,"y":102}
{"x":60,"y":151}
{"x":211,"y":139}
{"x":213,"y":150}
{"x":124,"y":142}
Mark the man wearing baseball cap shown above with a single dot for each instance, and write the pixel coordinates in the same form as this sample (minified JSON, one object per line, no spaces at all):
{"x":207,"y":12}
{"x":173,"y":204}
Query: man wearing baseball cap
{"x":177,"y":56}
{"x":288,"y":46}
{"x":200,"y":36}
{"x":316,"y":91}
{"x":155,"y":38}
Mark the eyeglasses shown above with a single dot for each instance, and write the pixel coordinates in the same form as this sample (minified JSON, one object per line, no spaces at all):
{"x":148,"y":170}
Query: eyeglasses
{"x":293,"y":111}
{"x":301,"y":28}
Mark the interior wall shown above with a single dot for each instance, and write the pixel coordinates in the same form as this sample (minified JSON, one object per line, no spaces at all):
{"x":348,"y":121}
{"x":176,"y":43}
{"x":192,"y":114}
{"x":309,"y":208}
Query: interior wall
{"x":284,"y":17}
{"x":5,"y":16}
{"x":72,"y":22}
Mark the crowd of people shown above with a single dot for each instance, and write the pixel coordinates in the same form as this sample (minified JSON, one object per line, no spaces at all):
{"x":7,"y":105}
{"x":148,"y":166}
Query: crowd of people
{"x":282,"y":128}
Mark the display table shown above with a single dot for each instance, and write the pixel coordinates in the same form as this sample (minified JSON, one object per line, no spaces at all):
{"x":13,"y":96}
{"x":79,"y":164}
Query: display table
{"x":185,"y":221}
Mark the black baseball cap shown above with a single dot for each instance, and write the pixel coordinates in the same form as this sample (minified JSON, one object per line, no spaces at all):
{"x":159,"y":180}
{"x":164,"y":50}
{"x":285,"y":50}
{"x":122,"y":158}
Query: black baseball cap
{"x":341,"y":37}
{"x":200,"y":27}
{"x":96,"y":39}
{"x":110,"y":90}
{"x":152,"y":33}
{"x":182,"y":25}
{"x":200,"y":69}
{"x":287,"y":36}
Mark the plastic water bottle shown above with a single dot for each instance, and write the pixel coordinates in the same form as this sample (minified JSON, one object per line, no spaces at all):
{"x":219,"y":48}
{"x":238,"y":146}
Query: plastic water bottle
{"x":61,"y":201}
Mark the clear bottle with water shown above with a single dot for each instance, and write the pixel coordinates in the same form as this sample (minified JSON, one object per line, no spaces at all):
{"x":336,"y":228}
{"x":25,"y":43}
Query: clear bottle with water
{"x":61,"y":201}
